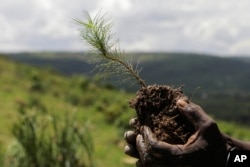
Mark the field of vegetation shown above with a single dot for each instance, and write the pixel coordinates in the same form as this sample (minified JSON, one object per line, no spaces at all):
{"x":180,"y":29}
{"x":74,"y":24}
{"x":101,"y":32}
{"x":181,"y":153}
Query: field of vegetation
{"x":101,"y":109}
{"x":97,"y":112}
{"x":219,"y":84}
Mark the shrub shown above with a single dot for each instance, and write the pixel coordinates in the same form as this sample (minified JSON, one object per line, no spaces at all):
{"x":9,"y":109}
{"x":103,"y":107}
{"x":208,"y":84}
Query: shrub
{"x":46,"y":140}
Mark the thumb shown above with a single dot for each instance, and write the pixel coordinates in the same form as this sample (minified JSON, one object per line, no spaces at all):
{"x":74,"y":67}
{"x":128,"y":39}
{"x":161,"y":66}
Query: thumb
{"x":192,"y":112}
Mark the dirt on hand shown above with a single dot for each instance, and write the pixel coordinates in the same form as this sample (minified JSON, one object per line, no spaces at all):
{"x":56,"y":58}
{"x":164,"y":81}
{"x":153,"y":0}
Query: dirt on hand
{"x":155,"y":106}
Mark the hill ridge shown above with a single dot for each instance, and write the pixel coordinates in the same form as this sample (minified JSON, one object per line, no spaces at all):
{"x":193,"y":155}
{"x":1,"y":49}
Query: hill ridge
{"x":163,"y":68}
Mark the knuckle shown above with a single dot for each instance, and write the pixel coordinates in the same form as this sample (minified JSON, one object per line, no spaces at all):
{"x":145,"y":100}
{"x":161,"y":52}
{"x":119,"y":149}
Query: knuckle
{"x":155,"y":148}
{"x":130,"y":136}
{"x":211,"y":124}
{"x":211,"y":127}
{"x":191,"y":109}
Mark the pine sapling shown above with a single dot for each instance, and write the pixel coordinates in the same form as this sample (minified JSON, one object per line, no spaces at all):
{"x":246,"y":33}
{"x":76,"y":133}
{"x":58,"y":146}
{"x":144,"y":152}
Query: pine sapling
{"x":107,"y":55}
{"x":155,"y":105}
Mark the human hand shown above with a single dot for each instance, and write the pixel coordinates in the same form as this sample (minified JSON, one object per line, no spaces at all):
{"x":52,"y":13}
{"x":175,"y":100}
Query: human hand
{"x":206,"y":147}
{"x":130,"y":137}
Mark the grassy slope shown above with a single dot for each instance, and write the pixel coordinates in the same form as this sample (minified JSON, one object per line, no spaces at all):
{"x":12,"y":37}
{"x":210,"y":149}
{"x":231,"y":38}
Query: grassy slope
{"x":214,"y":73}
{"x":106,"y":110}
{"x":223,"y":82}
{"x":96,"y":105}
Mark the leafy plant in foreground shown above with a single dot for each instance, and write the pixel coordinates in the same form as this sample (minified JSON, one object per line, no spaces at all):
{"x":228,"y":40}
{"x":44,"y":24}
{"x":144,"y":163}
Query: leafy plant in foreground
{"x":45,"y":140}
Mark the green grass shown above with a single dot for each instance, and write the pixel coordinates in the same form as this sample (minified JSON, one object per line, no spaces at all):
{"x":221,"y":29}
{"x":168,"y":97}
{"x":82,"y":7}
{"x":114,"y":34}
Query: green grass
{"x":97,"y":105}
{"x":235,"y":130}
{"x":103,"y":108}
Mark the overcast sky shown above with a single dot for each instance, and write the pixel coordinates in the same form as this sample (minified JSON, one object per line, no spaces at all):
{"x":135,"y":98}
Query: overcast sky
{"x":203,"y":26}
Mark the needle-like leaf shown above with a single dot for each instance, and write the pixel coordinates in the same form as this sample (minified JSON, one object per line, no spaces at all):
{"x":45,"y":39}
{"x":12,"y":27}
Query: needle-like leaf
{"x":109,"y":59}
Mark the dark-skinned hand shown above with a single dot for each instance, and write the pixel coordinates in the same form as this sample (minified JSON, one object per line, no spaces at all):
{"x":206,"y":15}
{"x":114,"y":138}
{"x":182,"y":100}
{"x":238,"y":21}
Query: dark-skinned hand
{"x":206,"y":147}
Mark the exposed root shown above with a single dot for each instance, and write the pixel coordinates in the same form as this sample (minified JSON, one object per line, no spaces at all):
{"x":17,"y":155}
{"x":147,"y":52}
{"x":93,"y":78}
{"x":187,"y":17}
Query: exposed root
{"x":155,"y":106}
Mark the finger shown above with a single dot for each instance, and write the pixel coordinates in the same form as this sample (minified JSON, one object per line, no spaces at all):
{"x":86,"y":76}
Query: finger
{"x":134,"y":122}
{"x":141,"y":147}
{"x":148,"y":136}
{"x":142,"y":151}
{"x":131,"y":151}
{"x":130,"y":137}
{"x":146,"y":159}
{"x":139,"y":163}
{"x":158,"y":149}
{"x":192,"y":112}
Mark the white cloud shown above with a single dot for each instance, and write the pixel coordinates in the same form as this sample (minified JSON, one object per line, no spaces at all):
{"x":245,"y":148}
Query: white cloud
{"x":115,"y":4}
{"x":242,"y":45}
{"x":215,"y":26}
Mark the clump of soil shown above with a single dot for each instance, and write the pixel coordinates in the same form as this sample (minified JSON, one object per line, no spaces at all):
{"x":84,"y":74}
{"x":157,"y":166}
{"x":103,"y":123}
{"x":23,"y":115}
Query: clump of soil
{"x":155,"y":106}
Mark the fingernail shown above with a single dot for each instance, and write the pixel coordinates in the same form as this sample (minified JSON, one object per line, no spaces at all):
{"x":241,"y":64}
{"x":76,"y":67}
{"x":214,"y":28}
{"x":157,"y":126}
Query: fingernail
{"x":130,"y":136}
{"x":127,"y":149}
{"x":132,"y":121}
{"x":181,"y":103}
{"x":125,"y":135}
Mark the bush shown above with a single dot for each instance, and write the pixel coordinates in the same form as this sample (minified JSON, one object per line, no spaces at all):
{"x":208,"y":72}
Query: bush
{"x":45,"y":140}
{"x":36,"y":83}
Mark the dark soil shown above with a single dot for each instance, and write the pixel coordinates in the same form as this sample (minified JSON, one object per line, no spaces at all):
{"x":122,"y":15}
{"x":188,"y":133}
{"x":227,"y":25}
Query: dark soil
{"x":155,"y":106}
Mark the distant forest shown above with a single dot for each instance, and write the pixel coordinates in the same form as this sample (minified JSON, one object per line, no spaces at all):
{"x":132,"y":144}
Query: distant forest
{"x":220,"y":84}
{"x":209,"y":73}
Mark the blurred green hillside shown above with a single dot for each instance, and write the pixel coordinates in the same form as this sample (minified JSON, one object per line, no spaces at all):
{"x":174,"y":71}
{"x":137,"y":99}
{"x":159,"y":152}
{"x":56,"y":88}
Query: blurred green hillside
{"x":210,"y":72}
{"x":219,"y":84}
{"x":104,"y":108}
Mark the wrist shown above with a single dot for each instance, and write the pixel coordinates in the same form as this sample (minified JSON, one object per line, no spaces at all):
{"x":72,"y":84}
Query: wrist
{"x":239,"y":144}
